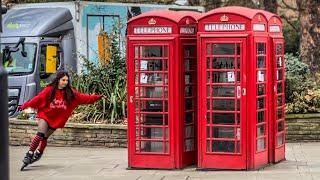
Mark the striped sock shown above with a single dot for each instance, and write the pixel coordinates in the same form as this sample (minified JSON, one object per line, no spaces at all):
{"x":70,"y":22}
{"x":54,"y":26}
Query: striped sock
{"x":43,"y":144}
{"x":35,"y":142}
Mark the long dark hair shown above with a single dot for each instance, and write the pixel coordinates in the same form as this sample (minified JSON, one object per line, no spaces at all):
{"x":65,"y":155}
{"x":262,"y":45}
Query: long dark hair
{"x":68,"y":92}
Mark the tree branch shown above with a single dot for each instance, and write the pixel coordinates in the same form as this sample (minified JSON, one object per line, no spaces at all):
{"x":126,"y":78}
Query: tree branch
{"x":289,"y":22}
{"x":288,"y":6}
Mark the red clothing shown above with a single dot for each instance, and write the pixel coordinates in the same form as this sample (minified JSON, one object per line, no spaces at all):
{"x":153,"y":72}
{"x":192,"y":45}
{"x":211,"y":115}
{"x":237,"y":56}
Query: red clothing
{"x":57,"y":112}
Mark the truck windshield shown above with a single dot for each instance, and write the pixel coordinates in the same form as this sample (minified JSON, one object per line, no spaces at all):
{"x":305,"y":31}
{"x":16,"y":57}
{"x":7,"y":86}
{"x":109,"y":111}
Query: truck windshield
{"x":16,"y":64}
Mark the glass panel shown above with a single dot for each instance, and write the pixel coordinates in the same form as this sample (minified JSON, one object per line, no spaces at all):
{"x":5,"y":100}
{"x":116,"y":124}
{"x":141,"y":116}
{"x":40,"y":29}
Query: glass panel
{"x":224,"y":49}
{"x":190,"y":51}
{"x":208,"y":146}
{"x":136,"y":105}
{"x":165,"y":51}
{"x":137,"y":146}
{"x":260,"y":103}
{"x":279,"y":75}
{"x":223,"y":63}
{"x":152,"y":65}
{"x":261,"y":63}
{"x":166,"y":133}
{"x":238,"y":118}
{"x":228,"y":105}
{"x":279,"y":49}
{"x":238,"y":62}
{"x":238,"y":105}
{"x":261,"y":50}
{"x":223,"y":91}
{"x":189,"y":117}
{"x":222,"y":132}
{"x":208,"y":118}
{"x":261,"y":117}
{"x":152,"y":106}
{"x":223,"y":77}
{"x":223,"y":146}
{"x":280,"y":126}
{"x":208,"y":77}
{"x":261,"y":144}
{"x":208,"y":104}
{"x":279,"y":101}
{"x":238,"y":48}
{"x":189,"y":132}
{"x":208,"y":49}
{"x":151,"y":133}
{"x":137,"y":119}
{"x":261,"y":76}
{"x":151,"y":51}
{"x":280,"y":113}
{"x":260,"y":130}
{"x":136,"y":65}
{"x":189,"y":145}
{"x":223,"y":118}
{"x":280,"y":139}
{"x":279,"y":61}
{"x":165,"y":92}
{"x":151,"y":92}
{"x":151,"y":146}
{"x":238,"y":77}
{"x":208,"y":63}
{"x":188,"y":78}
{"x":238,"y":147}
{"x":261,"y":89}
{"x":208,"y":91}
{"x":188,"y":104}
{"x":208,"y":132}
{"x":153,"y":78}
{"x":166,"y":119}
{"x":136,"y":51}
{"x":279,"y":88}
{"x":188,"y":91}
{"x":151,"y":119}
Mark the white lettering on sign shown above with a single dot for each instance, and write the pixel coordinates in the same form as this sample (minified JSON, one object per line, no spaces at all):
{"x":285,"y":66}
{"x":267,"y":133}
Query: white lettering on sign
{"x":187,"y":30}
{"x":274,"y":28}
{"x":152,"y":30}
{"x":224,"y":27}
{"x":259,"y":27}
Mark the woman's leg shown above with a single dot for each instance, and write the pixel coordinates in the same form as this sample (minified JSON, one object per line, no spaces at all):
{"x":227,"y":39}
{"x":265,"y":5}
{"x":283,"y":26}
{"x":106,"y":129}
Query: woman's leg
{"x":42,"y":130}
{"x":43,"y":143}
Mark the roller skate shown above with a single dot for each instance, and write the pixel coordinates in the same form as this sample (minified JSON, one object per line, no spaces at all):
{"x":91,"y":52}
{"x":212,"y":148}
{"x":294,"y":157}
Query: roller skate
{"x":27,"y":160}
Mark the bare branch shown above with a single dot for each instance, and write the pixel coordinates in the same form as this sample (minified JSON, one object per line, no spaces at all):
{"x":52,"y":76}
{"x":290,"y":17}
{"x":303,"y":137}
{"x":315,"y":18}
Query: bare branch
{"x":289,"y":22}
{"x":288,"y":6}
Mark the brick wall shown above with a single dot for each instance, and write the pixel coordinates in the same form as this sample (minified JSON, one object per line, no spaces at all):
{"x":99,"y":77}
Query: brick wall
{"x":81,"y":135}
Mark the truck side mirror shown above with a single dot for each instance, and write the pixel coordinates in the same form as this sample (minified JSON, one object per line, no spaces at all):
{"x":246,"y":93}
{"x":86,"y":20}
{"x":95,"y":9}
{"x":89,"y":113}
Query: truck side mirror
{"x":51,"y":59}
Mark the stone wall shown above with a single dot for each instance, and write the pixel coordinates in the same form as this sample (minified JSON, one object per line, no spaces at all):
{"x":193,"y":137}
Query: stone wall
{"x":78,"y":135}
{"x":303,"y":127}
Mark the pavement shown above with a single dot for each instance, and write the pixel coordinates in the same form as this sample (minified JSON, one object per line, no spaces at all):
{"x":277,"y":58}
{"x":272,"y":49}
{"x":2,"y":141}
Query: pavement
{"x":68,"y":163}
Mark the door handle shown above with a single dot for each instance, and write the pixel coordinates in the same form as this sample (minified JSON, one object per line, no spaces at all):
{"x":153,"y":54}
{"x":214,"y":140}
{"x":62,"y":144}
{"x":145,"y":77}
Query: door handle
{"x":131,"y":99}
{"x":244,"y":91}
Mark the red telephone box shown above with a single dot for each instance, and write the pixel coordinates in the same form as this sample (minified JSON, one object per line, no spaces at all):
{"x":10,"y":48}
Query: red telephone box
{"x":161,"y":61}
{"x":233,"y":89}
{"x":277,"y":103}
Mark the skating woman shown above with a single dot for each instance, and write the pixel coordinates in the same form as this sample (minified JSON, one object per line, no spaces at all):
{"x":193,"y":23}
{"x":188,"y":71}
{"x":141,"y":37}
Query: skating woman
{"x":54,"y":105}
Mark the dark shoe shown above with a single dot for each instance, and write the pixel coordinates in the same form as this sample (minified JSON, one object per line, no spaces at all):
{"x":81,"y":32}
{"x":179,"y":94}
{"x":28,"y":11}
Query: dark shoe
{"x":28,"y":158}
{"x":36,"y":156}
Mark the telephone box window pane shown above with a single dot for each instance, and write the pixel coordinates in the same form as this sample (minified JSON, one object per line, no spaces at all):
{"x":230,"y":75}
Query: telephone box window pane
{"x":279,"y":61}
{"x":279,"y":101}
{"x":166,"y":119}
{"x":136,"y":65}
{"x":223,"y":63}
{"x":238,"y":77}
{"x":208,"y":49}
{"x":260,"y":103}
{"x":238,"y":62}
{"x":238,"y":105}
{"x":208,"y":146}
{"x":188,"y":104}
{"x":223,"y":91}
{"x":223,"y":146}
{"x":238,"y":147}
{"x":261,"y":76}
{"x":136,"y":51}
{"x":279,"y":75}
{"x":279,"y":49}
{"x":208,"y":91}
{"x":189,"y":131}
{"x":208,"y":104}
{"x":136,"y":105}
{"x":223,"y":77}
{"x":223,"y":118}
{"x":153,"y":78}
{"x":279,"y":88}
{"x":208,"y":118}
{"x":151,"y":146}
{"x":152,"y":106}
{"x":224,"y":49}
{"x":238,"y":118}
{"x":188,"y":91}
{"x":238,"y":48}
{"x":261,"y":144}
{"x":222,"y":132}
{"x":261,"y":62}
{"x":151,"y":92}
{"x":190,"y":51}
{"x":280,"y":113}
{"x":261,"y":117}
{"x":189,"y":117}
{"x":208,"y":63}
{"x":208,"y":132}
{"x":188,"y":78}
{"x":165,"y":51}
{"x":260,"y":130}
{"x":151,"y":65}
{"x":280,"y":126}
{"x":151,"y":119}
{"x":208,"y":77}
{"x":151,"y":51}
{"x":189,"y":145}
{"x":261,"y":50}
{"x":261,"y":89}
{"x":136,"y":92}
{"x":166,"y":133}
{"x":165,"y":65}
{"x":165,"y":92}
{"x":223,"y":104}
{"x":280,"y":139}
{"x":137,"y":146}
{"x":151,"y":133}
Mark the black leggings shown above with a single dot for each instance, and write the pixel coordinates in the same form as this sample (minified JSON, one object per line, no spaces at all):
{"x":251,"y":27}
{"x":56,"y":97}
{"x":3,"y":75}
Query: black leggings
{"x":43,"y":127}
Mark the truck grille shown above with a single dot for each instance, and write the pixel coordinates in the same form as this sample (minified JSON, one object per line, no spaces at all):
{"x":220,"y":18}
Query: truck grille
{"x":13,"y":97}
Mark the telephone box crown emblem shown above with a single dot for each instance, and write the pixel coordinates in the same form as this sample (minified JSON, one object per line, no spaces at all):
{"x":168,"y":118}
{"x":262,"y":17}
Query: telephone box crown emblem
{"x":224,"y":18}
{"x":152,"y":21}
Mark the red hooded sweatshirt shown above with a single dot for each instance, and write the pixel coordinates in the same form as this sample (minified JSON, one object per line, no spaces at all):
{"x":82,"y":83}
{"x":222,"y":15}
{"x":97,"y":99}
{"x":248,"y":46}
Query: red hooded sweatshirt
{"x":57,"y":112}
